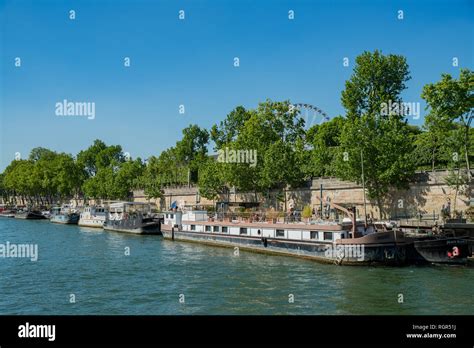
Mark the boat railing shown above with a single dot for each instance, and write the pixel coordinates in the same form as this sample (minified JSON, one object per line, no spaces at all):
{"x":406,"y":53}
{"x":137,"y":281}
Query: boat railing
{"x":271,"y":218}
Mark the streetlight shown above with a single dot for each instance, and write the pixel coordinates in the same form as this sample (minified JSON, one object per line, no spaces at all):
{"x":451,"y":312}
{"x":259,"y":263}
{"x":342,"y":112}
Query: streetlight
{"x":363,"y":186}
{"x":363,"y":183}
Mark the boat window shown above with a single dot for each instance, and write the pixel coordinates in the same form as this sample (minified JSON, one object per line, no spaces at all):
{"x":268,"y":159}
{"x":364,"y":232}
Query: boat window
{"x":208,"y":228}
{"x":224,"y":229}
{"x":280,"y":233}
{"x":193,"y":227}
{"x":327,"y":235}
{"x":314,"y":235}
{"x":216,"y":228}
{"x":243,"y":230}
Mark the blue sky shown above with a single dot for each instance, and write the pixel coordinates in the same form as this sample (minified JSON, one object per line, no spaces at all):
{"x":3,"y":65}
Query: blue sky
{"x":190,"y":62}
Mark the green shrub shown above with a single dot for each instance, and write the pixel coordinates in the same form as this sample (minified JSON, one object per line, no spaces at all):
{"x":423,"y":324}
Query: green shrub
{"x":307,"y":212}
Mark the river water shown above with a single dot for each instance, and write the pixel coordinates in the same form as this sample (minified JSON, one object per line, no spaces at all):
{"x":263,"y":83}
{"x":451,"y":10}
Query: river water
{"x":88,"y":271}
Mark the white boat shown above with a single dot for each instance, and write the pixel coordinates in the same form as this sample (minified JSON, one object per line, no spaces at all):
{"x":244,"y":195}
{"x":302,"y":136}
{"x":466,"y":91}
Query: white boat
{"x":46,"y":214}
{"x":93,"y":217}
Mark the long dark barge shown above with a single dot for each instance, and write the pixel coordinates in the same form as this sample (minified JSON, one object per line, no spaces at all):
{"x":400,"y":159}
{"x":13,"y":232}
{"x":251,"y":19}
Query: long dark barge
{"x":30,"y":215}
{"x":131,"y":217}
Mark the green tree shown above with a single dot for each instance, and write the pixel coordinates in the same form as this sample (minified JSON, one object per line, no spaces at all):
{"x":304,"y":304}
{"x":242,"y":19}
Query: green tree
{"x":99,"y":155}
{"x":383,"y":139}
{"x":127,"y":179}
{"x":100,"y":164}
{"x":274,"y":133}
{"x":41,"y":153}
{"x":151,"y":178}
{"x":227,"y":130}
{"x":211,"y":180}
{"x":69,"y":176}
{"x":451,"y":101}
{"x":325,"y":142}
{"x":281,"y":167}
{"x":191,"y":150}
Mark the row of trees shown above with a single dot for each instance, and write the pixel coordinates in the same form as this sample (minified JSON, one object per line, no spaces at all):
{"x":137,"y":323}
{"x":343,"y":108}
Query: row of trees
{"x":46,"y":177}
{"x":287,"y":152}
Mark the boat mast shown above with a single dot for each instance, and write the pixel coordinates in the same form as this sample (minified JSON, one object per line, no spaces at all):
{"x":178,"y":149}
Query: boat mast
{"x":350,"y":213}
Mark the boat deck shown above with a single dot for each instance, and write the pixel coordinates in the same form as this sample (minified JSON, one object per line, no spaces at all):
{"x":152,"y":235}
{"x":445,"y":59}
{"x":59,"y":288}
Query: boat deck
{"x":292,"y":226}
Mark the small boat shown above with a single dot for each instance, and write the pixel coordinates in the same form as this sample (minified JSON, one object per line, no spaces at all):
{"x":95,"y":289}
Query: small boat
{"x":7,"y":214}
{"x":456,"y":229}
{"x":93,"y":216}
{"x":64,"y":215}
{"x":131,"y":217}
{"x":450,"y":243}
{"x":29,"y":214}
{"x":440,"y":249}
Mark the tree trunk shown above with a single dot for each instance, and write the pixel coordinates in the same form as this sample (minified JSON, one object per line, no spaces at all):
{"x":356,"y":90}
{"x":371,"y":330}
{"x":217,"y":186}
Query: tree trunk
{"x":433,"y":160}
{"x":380,"y":206}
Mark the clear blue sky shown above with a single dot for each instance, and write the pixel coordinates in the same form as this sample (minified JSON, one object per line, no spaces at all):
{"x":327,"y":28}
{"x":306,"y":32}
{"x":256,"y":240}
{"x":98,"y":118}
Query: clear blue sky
{"x":190,"y":62}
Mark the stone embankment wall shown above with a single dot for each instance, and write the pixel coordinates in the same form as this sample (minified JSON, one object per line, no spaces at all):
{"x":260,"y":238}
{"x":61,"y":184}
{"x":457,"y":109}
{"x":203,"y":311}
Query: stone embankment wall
{"x":426,"y":195}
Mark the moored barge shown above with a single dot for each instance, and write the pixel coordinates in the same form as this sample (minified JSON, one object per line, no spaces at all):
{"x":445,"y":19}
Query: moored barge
{"x":64,"y":215}
{"x":349,"y":242}
{"x":29,"y":214}
{"x":131,"y":217}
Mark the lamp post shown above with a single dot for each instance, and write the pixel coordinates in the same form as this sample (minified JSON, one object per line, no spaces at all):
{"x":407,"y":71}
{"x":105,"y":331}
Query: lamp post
{"x":363,"y":187}
{"x":363,"y":181}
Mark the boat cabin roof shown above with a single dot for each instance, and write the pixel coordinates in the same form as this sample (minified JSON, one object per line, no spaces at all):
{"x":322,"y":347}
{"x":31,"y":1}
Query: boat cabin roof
{"x":279,"y":226}
{"x":185,"y":212}
{"x":122,"y":204}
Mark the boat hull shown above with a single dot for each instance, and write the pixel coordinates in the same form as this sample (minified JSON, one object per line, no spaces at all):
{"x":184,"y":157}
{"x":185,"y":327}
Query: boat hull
{"x":30,"y":216}
{"x":7,"y":215}
{"x":66,"y":219}
{"x":444,"y":250}
{"x":95,"y":223}
{"x":130,"y":227}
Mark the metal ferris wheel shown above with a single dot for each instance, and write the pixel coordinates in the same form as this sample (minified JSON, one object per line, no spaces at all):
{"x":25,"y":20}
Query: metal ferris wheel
{"x":311,"y":114}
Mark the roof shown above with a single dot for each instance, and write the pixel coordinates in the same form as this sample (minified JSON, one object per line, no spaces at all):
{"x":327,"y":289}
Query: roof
{"x":121,"y":204}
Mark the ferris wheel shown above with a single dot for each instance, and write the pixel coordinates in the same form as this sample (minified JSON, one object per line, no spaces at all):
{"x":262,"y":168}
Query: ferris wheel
{"x":311,"y":114}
